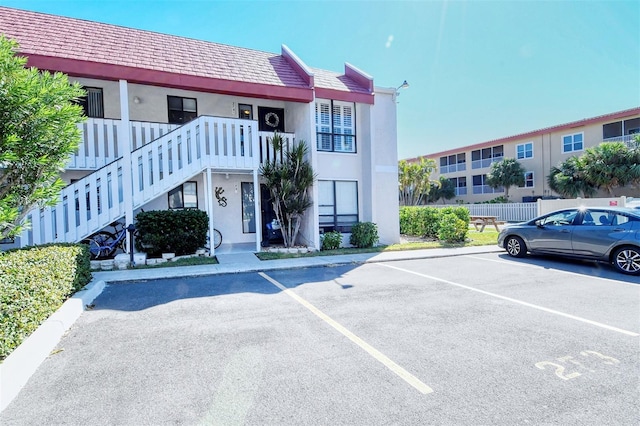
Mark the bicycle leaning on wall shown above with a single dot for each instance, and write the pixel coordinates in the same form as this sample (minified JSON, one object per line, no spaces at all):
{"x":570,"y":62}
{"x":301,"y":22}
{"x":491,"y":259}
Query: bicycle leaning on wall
{"x":104,"y":244}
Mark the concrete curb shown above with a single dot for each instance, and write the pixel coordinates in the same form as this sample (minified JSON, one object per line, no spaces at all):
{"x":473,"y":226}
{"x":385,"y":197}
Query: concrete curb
{"x":18,"y":367}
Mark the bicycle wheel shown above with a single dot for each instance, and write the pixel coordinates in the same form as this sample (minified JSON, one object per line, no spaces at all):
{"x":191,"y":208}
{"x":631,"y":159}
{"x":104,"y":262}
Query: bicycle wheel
{"x":217,"y":238}
{"x":99,"y":244}
{"x":94,"y":248}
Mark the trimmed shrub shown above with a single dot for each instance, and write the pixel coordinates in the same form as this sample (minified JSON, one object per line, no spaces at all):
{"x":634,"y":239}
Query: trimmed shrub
{"x":461,"y":212}
{"x":427,"y":221}
{"x":331,"y":240}
{"x":452,"y":229}
{"x":34,"y":283}
{"x":364,"y":235}
{"x":171,"y":231}
{"x":419,"y":221}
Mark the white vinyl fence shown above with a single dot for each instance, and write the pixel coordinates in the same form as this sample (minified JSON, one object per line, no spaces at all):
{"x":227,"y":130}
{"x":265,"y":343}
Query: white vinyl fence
{"x":521,"y":212}
{"x":509,"y":212}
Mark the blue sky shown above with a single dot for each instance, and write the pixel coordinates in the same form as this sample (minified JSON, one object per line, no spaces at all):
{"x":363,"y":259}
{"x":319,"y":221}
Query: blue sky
{"x":478,"y":70}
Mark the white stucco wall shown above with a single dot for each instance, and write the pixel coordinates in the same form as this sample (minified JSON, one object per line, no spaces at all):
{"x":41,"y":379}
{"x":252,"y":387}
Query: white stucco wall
{"x":228,"y":220}
{"x":385,"y":166}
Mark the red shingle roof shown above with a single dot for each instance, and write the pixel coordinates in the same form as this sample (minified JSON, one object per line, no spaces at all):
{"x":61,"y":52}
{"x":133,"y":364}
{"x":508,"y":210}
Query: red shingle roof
{"x":91,"y":49}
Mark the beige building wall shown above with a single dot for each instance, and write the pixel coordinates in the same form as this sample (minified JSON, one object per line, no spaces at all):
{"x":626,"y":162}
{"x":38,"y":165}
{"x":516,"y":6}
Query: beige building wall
{"x":149,"y":103}
{"x":547,"y":152}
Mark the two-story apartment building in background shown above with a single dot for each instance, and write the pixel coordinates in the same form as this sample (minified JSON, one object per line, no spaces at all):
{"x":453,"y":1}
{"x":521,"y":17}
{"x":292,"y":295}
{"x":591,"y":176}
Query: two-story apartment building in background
{"x":179,"y":123}
{"x":537,"y":151}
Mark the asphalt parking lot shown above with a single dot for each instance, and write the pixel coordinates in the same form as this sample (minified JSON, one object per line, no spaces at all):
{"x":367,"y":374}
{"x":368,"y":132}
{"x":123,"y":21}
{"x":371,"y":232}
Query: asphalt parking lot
{"x":470,"y":340}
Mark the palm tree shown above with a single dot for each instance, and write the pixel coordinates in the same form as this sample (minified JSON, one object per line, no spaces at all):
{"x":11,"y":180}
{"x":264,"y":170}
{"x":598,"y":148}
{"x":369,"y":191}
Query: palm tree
{"x":413,"y":181}
{"x":568,"y":179}
{"x":506,"y":173}
{"x":610,"y":165}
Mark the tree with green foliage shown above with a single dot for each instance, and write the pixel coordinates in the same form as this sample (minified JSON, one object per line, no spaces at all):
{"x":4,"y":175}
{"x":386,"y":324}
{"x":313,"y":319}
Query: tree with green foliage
{"x":506,"y":173}
{"x":38,"y":133}
{"x":610,"y":165}
{"x":289,"y":183}
{"x":607,"y":166}
{"x":568,"y":179}
{"x":443,"y":190}
{"x":414,"y":181}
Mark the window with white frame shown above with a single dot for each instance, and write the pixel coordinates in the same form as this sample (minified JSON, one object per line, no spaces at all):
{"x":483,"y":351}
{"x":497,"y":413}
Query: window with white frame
{"x":528,"y":180}
{"x":572,"y":143}
{"x":337,"y":204}
{"x":335,"y":126}
{"x":524,"y":151}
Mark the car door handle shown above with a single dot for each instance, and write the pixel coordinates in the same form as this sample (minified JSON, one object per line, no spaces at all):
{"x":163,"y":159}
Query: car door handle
{"x":564,"y":231}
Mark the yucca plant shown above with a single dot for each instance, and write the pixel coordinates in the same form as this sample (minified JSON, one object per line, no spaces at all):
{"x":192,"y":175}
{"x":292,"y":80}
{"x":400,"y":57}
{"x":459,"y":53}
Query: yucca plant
{"x":289,"y":182}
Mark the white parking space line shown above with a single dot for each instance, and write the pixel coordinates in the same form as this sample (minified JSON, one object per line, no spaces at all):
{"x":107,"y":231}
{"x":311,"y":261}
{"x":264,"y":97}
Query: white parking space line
{"x":528,"y":265}
{"x":379,"y":356}
{"x":520,"y":302}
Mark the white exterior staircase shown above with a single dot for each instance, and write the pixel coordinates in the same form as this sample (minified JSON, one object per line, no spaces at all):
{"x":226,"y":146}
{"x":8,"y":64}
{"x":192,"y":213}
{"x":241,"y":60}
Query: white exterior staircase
{"x":162,"y":157}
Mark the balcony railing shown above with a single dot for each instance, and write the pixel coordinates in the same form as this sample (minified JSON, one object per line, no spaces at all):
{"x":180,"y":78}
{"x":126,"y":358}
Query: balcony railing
{"x":459,"y":167}
{"x":629,"y":140}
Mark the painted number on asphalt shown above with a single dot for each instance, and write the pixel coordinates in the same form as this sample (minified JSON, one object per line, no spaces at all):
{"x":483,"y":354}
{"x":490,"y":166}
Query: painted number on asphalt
{"x":561,"y":372}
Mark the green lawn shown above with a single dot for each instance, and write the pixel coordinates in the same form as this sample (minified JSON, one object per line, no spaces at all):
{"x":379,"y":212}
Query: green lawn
{"x":474,"y":238}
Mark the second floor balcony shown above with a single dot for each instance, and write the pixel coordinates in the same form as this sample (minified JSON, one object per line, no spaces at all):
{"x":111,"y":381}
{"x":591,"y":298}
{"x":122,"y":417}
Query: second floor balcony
{"x":629,"y":140}
{"x":101,"y":141}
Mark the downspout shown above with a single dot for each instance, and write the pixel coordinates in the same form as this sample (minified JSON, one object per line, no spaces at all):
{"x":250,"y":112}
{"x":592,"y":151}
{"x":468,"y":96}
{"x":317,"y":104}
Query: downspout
{"x":208,"y":198}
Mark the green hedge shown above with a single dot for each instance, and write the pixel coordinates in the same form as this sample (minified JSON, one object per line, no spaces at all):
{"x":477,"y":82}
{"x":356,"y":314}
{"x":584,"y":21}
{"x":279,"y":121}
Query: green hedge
{"x":34,"y":283}
{"x":428,"y":221}
{"x":171,"y":231}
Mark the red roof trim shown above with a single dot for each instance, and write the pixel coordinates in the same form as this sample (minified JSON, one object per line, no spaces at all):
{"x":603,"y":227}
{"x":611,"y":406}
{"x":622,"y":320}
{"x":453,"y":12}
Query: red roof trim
{"x":338,"y":95}
{"x":546,"y":130}
{"x":87,"y":69}
{"x":297,"y":64}
{"x":358,"y":76}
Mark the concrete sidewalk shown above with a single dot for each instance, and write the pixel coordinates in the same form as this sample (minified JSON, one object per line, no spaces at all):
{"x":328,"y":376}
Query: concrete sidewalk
{"x":249,"y":262}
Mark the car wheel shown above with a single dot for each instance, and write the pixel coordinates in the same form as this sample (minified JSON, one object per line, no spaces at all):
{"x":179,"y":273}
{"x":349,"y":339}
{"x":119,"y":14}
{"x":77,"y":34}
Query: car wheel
{"x":627,"y":260}
{"x":515,"y":247}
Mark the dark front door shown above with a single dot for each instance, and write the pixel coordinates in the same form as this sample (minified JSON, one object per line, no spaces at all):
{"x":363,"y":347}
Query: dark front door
{"x":268,"y":215}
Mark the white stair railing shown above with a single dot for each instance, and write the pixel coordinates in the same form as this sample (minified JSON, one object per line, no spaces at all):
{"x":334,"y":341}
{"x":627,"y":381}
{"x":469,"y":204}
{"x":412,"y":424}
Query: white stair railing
{"x":93,"y":202}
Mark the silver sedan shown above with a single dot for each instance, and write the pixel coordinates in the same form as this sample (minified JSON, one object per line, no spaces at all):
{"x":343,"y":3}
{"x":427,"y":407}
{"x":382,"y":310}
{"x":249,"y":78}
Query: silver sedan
{"x":605,"y":234}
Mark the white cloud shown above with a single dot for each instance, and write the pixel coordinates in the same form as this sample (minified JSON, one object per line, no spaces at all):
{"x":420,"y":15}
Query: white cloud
{"x":389,"y":41}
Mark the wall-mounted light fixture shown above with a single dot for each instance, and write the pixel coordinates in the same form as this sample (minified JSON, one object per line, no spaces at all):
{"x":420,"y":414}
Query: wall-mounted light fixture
{"x":404,"y":85}
{"x":137,"y":100}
